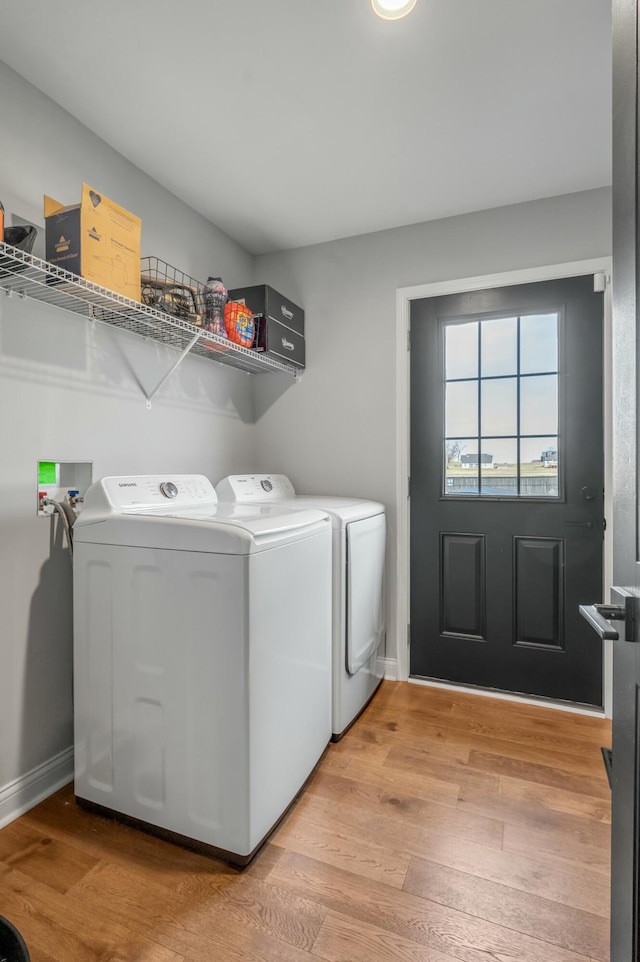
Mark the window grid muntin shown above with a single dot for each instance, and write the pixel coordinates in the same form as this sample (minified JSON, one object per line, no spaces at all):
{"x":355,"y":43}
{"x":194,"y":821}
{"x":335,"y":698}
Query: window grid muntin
{"x":519,"y":376}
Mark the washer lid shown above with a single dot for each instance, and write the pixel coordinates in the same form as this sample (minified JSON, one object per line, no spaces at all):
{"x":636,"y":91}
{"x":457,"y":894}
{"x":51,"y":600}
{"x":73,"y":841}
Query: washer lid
{"x":164,"y":492}
{"x":199,"y":525}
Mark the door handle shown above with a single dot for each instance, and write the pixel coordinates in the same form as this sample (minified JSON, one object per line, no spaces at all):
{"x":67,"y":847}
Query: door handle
{"x":578,"y":524}
{"x":599,"y":617}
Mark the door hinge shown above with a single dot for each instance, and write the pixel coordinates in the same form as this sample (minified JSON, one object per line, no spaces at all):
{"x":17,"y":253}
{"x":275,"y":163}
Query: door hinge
{"x":408,"y":338}
{"x":409,"y":486}
{"x":408,"y":636}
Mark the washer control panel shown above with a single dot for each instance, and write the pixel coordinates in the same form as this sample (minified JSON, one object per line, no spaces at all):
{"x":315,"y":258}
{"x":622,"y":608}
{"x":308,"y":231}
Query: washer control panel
{"x":255,"y":487}
{"x":149,"y":491}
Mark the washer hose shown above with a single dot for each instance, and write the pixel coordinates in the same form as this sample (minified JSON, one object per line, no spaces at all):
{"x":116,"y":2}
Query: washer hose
{"x":68,"y":518}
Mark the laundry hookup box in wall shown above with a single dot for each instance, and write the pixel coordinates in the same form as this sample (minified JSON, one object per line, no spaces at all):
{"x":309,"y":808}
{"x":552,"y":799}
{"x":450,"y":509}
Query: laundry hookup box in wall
{"x":97,"y":239}
{"x":279,"y":322}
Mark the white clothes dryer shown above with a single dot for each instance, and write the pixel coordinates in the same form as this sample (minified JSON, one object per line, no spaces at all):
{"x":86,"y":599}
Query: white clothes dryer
{"x":202,"y":659}
{"x":358,"y":626}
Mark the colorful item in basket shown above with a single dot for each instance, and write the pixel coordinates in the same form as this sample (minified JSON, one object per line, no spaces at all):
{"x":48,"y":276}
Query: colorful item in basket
{"x":214,"y":295}
{"x":239,"y":323}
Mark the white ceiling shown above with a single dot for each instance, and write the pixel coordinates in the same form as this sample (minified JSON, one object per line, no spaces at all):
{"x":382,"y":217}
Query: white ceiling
{"x":288,"y":122}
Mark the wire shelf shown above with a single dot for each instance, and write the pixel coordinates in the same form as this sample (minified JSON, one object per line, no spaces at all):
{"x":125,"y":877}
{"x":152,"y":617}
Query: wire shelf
{"x":28,"y":276}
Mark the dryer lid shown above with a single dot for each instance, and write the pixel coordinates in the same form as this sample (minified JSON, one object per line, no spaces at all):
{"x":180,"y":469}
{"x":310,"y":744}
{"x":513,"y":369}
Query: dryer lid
{"x":277,"y":489}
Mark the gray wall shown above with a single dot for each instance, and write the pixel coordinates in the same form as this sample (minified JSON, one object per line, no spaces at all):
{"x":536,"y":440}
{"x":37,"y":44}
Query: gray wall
{"x":70,"y":391}
{"x":334,"y":431}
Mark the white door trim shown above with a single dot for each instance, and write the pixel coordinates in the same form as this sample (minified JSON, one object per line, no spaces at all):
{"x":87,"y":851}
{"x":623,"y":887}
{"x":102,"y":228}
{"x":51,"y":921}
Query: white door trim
{"x":404,"y":296}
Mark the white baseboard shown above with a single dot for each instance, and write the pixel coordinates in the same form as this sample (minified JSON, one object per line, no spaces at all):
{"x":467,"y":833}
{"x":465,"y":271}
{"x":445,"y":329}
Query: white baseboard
{"x":389,"y":667}
{"x":18,"y":796}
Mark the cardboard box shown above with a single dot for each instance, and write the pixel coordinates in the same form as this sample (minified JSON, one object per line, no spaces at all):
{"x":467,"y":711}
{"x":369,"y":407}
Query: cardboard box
{"x":264,"y":300}
{"x":97,"y":239}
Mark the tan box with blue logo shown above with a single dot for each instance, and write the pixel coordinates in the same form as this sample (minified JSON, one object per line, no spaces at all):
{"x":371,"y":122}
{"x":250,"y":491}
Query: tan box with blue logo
{"x":97,"y":239}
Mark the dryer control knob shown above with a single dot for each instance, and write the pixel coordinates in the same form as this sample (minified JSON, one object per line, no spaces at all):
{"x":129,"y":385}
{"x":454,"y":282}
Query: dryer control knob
{"x":169,"y":489}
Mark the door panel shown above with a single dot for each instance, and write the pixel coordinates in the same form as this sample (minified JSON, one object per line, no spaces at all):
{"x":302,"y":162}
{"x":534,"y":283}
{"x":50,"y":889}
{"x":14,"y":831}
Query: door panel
{"x":462,"y":592}
{"x":507,"y":488}
{"x":625,"y":774}
{"x":539,"y":591}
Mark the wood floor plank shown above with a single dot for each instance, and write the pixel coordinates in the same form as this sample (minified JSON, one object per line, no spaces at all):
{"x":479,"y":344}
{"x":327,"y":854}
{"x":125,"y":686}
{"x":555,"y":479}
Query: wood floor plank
{"x":37,"y":955}
{"x":411,"y":760}
{"x":555,"y":799}
{"x":592,"y":783}
{"x":541,"y":818}
{"x":516,"y":715}
{"x":42,"y":857}
{"x":199,"y":930}
{"x":340,"y":938}
{"x":588,"y":764}
{"x":409,"y":723}
{"x":528,"y":914}
{"x":558,"y":846}
{"x":60,"y":818}
{"x":363,"y":826}
{"x":66,"y":930}
{"x":432,"y":816}
{"x":421,"y":784}
{"x":510,"y":726}
{"x":372,"y":752}
{"x":534,"y":718}
{"x":554,"y":881}
{"x":275,"y":911}
{"x":263,"y":863}
{"x":372,"y":733}
{"x":537,"y":819}
{"x":427,"y":700}
{"x":558,"y":743}
{"x":358,"y":856}
{"x":415,"y":919}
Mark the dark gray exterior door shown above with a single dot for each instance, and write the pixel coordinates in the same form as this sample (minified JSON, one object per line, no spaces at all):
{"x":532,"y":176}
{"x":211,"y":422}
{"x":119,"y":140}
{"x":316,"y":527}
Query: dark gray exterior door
{"x":507,"y":488}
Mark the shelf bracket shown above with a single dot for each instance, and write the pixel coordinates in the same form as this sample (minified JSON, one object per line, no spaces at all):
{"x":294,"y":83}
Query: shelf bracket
{"x":194,"y":340}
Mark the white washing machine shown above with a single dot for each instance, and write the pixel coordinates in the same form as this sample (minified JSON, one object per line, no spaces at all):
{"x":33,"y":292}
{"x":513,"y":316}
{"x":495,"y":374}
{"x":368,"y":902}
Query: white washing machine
{"x":358,"y":627}
{"x":202,"y":659}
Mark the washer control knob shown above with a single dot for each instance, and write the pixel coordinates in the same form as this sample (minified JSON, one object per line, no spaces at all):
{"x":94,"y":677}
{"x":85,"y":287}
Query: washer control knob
{"x":266,"y":485}
{"x":169,"y":489}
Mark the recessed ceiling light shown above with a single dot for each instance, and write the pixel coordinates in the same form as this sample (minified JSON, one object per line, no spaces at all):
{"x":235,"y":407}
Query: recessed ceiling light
{"x":392,"y":9}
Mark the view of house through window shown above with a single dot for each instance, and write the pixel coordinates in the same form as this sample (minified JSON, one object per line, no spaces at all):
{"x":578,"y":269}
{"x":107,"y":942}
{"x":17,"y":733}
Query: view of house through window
{"x":501,"y":406}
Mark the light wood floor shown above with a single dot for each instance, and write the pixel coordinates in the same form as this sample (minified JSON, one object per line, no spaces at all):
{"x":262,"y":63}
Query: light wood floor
{"x":443,"y":826}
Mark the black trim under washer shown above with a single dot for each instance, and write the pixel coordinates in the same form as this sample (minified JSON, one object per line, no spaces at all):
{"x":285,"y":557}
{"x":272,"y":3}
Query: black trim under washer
{"x":194,"y":844}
